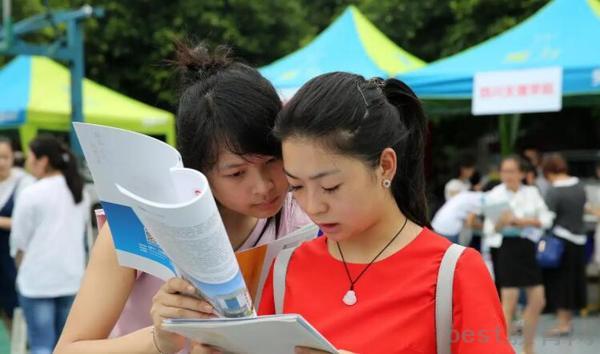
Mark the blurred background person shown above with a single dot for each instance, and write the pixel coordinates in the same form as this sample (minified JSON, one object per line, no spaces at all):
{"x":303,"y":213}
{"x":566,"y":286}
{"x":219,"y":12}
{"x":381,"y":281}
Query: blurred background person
{"x":47,"y":241}
{"x":534,"y":156}
{"x":462,"y":181}
{"x":565,"y":286}
{"x":515,"y":232}
{"x":457,"y":214}
{"x":12,"y":181}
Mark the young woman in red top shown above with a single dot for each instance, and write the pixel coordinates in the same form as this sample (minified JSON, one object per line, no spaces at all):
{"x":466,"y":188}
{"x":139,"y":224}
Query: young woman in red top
{"x":353,"y":154}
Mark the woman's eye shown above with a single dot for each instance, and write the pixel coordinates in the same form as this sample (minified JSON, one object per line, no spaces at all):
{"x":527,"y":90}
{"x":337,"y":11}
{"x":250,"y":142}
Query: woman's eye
{"x":332,"y":189}
{"x":236,"y":174}
{"x":294,"y":188}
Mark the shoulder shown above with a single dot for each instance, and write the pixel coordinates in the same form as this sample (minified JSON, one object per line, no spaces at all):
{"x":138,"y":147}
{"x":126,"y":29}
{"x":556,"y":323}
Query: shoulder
{"x":311,"y":252}
{"x":454,"y":183}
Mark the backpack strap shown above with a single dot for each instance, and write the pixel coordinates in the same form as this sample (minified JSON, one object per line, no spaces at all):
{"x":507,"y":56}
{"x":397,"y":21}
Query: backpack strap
{"x":443,"y":299}
{"x":279,"y":272}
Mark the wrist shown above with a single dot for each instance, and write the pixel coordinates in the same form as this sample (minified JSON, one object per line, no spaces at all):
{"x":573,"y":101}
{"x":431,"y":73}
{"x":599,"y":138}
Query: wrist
{"x":165,"y":342}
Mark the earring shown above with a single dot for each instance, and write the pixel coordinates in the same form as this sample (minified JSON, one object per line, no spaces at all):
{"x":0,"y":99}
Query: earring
{"x":387,"y":183}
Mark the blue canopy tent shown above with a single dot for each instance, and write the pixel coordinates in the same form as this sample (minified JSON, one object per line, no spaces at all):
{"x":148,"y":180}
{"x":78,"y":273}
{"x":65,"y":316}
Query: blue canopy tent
{"x":351,"y":43}
{"x":564,"y":33}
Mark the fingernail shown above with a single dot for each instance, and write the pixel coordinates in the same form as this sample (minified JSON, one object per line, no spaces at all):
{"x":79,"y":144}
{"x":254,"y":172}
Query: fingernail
{"x":190,"y":289}
{"x":207,"y":309}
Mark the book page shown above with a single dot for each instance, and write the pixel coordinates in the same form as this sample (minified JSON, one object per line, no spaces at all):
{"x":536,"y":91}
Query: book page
{"x":113,"y":155}
{"x":276,"y":334}
{"x":193,"y":236}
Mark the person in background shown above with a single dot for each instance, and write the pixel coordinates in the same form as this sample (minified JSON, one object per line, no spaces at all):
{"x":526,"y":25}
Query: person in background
{"x":457,"y":213}
{"x":462,"y":182}
{"x":12,"y":181}
{"x":566,"y":285}
{"x":593,"y":208}
{"x":516,"y":233}
{"x":47,"y":241}
{"x":534,"y":156}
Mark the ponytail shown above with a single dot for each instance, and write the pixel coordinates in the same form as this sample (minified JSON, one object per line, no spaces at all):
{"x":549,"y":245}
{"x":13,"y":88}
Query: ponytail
{"x":408,"y":185}
{"x":62,"y":159}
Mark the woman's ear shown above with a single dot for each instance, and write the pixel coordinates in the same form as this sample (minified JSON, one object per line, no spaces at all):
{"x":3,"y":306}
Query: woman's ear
{"x":388,"y":163}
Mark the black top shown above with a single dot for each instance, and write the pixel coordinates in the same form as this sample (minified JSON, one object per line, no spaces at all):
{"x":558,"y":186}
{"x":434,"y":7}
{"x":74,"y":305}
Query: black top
{"x":568,"y":203}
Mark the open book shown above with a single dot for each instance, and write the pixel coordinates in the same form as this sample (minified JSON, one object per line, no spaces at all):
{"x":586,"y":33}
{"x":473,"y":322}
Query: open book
{"x":164,"y":219}
{"x":277,"y":334}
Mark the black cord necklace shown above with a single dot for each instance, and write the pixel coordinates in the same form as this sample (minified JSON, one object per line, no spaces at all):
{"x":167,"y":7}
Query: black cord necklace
{"x":350,"y":296}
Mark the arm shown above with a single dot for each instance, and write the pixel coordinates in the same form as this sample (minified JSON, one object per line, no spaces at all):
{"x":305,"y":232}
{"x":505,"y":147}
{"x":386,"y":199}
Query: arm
{"x":5,"y":223}
{"x":101,"y":298}
{"x":23,"y":224}
{"x":544,"y":217}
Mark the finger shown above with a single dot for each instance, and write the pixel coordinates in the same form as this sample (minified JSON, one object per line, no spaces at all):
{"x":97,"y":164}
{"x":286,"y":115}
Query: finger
{"x":205,"y":349}
{"x":179,"y":285}
{"x":184,"y":302}
{"x":176,"y":312}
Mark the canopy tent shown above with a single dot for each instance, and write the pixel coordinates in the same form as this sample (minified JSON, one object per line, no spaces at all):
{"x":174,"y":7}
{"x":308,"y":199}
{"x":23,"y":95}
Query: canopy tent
{"x":564,"y":33}
{"x":351,"y":43}
{"x":35,"y":95}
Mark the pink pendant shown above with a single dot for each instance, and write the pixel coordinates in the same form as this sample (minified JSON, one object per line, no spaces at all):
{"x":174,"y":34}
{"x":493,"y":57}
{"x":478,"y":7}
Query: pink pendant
{"x":350,"y":298}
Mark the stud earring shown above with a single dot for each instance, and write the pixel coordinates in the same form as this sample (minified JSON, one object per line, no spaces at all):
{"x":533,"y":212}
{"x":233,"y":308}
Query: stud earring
{"x":387,"y":183}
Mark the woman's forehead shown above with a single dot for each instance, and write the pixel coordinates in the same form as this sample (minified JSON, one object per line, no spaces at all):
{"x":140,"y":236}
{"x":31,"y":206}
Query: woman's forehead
{"x":228,"y":159}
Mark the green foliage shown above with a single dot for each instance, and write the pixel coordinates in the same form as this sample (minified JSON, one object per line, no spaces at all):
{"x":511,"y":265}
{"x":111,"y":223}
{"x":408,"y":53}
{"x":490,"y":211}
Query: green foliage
{"x":128,"y":49}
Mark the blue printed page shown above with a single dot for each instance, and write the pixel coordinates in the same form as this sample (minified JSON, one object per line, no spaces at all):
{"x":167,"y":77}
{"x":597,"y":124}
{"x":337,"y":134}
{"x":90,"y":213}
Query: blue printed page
{"x":154,"y":204}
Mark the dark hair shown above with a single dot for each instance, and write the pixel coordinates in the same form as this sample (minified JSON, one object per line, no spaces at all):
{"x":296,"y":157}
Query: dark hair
{"x":466,"y":160}
{"x":554,"y":163}
{"x":223,"y":104}
{"x":62,"y":159}
{"x":361,"y":118}
{"x":522,"y":164}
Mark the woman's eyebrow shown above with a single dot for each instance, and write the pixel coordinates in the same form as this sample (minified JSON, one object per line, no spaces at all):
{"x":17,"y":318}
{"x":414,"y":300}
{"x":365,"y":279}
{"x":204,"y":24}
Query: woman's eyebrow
{"x":315,"y":176}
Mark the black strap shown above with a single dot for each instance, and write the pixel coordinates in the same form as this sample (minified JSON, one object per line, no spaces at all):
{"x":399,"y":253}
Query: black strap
{"x":277,"y":219}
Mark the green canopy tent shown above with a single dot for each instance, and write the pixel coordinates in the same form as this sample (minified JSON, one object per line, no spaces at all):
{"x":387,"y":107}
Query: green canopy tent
{"x":35,"y":95}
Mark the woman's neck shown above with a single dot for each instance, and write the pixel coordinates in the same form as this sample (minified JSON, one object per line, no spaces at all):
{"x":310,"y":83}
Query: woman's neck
{"x":513,"y":188}
{"x":363,"y":247}
{"x":4,"y":176}
{"x":561,"y":177}
{"x":51,"y":173}
{"x":238,"y":226}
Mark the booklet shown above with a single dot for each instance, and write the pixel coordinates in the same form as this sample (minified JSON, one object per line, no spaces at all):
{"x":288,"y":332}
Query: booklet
{"x":164,"y":219}
{"x":276,"y":334}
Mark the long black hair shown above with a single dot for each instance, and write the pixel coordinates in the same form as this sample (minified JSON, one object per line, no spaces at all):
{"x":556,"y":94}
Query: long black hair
{"x":361,"y":118}
{"x":62,"y":159}
{"x":223,"y":104}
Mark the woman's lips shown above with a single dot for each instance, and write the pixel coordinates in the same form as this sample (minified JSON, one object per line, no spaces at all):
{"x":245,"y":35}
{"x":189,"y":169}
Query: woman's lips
{"x":329,"y":228}
{"x":268,"y":204}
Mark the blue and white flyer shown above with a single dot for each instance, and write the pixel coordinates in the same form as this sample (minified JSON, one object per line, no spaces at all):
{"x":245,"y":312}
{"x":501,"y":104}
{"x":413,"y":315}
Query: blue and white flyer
{"x":162,"y":216}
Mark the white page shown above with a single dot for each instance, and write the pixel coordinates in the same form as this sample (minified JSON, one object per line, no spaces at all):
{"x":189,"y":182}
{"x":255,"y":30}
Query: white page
{"x":277,"y":334}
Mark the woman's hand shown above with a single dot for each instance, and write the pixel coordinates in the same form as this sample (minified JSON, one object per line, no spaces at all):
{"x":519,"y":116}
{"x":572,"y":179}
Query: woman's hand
{"x":177,"y":298}
{"x":507,"y":218}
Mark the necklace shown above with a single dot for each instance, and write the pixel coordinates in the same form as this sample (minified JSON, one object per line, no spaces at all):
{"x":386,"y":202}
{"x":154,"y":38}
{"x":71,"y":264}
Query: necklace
{"x":350,"y":296}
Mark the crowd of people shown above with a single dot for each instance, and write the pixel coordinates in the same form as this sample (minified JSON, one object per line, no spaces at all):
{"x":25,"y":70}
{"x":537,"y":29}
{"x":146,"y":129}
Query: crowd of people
{"x":345,"y":153}
{"x":534,"y":207}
